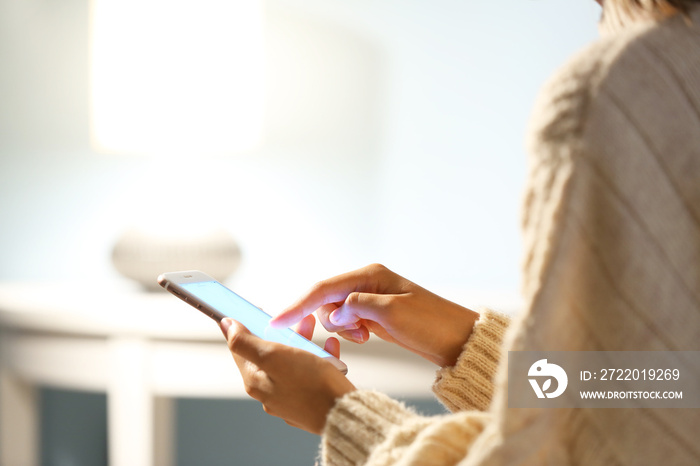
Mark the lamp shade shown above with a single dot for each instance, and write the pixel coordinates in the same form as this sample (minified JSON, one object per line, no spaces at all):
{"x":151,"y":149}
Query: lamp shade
{"x":175,"y":77}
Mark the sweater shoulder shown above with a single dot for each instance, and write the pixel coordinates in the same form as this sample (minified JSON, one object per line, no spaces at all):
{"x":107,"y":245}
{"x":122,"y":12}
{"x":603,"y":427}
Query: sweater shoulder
{"x":560,"y":111}
{"x":555,"y":144}
{"x":564,"y":103}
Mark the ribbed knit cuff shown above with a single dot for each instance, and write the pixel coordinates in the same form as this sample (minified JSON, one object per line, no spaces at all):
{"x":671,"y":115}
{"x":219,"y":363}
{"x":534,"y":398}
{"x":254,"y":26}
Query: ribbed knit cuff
{"x":357,"y":423}
{"x":469,"y":384}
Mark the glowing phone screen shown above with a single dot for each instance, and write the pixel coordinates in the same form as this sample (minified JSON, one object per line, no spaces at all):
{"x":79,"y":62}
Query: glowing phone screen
{"x":229,"y":303}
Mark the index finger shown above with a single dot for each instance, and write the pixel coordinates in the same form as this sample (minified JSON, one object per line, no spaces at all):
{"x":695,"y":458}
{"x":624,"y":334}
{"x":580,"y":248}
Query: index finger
{"x":332,"y":290}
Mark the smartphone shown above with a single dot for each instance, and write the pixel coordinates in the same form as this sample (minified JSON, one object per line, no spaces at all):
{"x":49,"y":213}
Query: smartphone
{"x":215,"y":300}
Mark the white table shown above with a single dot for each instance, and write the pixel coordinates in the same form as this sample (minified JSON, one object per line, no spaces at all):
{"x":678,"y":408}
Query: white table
{"x":141,"y":349}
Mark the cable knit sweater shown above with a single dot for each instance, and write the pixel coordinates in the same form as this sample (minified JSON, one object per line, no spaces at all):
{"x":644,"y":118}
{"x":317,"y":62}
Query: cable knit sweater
{"x":612,"y":234}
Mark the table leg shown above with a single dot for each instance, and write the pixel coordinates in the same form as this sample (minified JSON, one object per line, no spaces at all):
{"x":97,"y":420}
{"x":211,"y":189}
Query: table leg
{"x":129,"y":404}
{"x":164,"y":431}
{"x":19,"y":416}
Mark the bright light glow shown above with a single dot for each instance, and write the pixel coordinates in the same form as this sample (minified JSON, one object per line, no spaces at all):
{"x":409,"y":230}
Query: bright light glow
{"x":182,"y":77}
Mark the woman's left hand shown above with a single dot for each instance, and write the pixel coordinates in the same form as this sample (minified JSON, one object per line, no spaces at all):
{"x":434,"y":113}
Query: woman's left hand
{"x":291,"y":383}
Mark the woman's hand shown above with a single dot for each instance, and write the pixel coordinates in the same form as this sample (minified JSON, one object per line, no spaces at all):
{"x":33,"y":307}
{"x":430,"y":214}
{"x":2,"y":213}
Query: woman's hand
{"x":375,"y":299}
{"x":293,"y":384}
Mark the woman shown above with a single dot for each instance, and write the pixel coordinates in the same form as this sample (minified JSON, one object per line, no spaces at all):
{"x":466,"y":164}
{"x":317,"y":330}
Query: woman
{"x":612,"y":234}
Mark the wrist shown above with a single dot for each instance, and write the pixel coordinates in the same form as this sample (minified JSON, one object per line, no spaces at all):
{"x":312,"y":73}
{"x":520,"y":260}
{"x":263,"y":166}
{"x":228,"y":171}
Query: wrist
{"x":335,"y":395}
{"x":464,"y":320}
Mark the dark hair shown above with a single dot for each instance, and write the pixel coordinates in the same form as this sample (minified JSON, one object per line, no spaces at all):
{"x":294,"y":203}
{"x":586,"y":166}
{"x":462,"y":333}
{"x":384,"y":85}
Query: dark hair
{"x":618,"y":13}
{"x":680,"y":5}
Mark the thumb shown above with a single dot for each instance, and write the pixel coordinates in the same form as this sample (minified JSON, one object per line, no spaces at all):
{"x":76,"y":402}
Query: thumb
{"x":358,"y":306}
{"x":241,"y":342}
{"x":224,"y":325}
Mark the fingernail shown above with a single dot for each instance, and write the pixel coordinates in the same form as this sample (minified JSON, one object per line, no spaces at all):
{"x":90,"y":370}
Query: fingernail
{"x":336,"y":319}
{"x":357,"y":336}
{"x":225,"y":324}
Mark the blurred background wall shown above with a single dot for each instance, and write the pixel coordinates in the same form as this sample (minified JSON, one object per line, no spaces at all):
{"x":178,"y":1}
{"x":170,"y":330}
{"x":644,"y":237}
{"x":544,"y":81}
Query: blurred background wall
{"x":393,"y":133}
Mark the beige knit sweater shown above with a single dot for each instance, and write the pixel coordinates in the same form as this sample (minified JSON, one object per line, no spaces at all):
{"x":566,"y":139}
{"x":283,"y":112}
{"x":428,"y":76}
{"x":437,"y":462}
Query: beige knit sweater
{"x":612,"y":235}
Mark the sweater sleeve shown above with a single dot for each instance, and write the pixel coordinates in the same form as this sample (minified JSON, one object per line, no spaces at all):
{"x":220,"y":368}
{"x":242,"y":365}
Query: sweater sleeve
{"x":369,"y":428}
{"x":366,"y":427}
{"x":469,"y":384}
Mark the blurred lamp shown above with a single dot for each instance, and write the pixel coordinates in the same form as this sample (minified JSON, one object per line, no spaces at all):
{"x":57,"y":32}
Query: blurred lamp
{"x":178,"y":80}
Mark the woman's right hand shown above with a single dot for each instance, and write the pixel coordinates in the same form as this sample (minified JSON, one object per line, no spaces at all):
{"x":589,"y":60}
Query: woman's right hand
{"x":375,"y":299}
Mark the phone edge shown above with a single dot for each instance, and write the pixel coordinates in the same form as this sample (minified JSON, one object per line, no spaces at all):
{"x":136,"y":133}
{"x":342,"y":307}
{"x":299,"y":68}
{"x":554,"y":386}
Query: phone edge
{"x":217,"y":316}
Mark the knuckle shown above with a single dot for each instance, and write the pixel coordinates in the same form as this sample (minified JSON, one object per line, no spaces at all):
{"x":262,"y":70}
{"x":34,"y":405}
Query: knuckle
{"x":353,"y":299}
{"x":377,"y":269}
{"x":251,"y":391}
{"x":234,"y":342}
{"x":390,"y":307}
{"x":325,"y":321}
{"x":319,"y":286}
{"x":269,"y":409}
{"x":254,"y":386}
{"x":323,"y":312}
